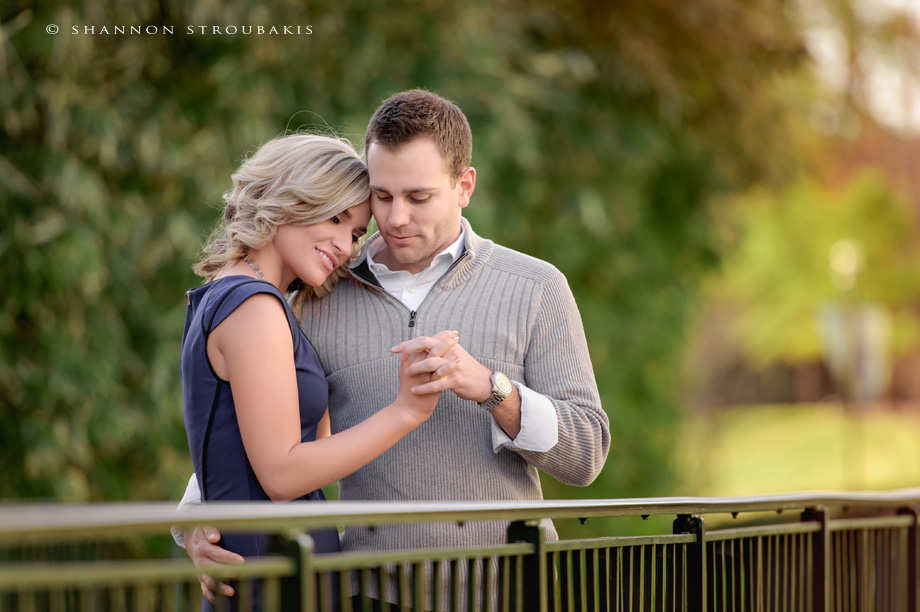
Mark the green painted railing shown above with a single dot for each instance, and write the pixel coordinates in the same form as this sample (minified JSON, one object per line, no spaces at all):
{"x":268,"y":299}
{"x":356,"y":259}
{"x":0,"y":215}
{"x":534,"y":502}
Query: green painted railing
{"x":815,"y":552}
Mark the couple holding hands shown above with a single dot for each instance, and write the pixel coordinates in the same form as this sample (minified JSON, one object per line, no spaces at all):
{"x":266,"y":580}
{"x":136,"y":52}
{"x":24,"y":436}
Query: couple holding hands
{"x":340,"y":382}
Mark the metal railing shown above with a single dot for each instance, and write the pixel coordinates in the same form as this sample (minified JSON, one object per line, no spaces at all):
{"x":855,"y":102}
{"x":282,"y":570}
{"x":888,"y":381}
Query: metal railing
{"x":815,"y":552}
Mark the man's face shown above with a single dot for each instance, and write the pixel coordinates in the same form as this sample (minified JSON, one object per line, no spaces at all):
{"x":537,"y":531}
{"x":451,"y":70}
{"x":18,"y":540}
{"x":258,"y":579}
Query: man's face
{"x":414,"y":204}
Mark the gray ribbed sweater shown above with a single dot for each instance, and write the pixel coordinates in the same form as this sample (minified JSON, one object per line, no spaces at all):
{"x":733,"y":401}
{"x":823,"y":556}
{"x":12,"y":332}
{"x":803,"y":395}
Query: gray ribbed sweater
{"x":515,"y":314}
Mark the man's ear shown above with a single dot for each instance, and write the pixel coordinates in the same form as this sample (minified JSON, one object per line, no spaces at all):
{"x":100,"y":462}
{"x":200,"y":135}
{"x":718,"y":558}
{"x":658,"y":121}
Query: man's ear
{"x":466,"y":184}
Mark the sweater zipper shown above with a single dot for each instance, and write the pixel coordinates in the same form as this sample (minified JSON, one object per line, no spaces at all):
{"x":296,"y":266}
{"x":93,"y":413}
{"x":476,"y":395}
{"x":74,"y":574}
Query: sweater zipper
{"x":413,"y":315}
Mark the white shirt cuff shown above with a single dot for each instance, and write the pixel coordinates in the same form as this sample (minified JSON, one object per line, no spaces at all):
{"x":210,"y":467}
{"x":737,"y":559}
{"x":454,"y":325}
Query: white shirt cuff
{"x":539,"y":426}
{"x":192,"y":496}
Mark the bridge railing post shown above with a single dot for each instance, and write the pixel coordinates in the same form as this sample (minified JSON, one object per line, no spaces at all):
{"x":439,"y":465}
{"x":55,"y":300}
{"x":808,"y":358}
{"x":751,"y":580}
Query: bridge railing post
{"x":695,"y":594}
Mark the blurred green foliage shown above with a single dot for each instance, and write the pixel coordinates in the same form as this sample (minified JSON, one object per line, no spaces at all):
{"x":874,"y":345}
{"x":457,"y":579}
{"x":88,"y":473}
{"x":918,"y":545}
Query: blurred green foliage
{"x":603,"y":132}
{"x":780,"y":273}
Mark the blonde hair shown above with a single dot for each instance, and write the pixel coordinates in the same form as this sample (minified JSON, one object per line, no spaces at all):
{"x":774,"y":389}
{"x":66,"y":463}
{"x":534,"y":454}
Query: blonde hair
{"x":298,"y":178}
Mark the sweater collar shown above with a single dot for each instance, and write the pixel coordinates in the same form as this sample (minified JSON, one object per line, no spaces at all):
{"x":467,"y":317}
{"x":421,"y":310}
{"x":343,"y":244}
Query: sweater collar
{"x":475,"y":251}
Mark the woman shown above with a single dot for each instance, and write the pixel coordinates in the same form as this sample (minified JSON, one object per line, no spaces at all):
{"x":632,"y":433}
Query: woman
{"x":254,"y":391}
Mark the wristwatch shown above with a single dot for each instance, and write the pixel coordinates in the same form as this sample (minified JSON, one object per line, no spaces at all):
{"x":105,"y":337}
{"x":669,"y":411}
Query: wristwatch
{"x":501,"y":388}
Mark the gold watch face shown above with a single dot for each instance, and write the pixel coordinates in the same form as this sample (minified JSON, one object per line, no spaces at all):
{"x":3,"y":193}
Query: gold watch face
{"x":502,"y":382}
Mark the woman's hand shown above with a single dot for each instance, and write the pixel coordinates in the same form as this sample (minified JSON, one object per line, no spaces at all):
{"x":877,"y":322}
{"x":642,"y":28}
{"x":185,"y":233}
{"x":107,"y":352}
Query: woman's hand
{"x":460,"y":372}
{"x":424,"y":366}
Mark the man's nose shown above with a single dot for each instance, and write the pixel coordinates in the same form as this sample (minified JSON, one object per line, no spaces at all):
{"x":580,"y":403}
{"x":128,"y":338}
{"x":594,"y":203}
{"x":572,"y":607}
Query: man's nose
{"x":399,"y":213}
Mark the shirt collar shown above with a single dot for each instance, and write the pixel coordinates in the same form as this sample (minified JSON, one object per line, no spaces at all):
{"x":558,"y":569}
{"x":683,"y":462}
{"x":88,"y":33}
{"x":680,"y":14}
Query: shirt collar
{"x":444,"y":259}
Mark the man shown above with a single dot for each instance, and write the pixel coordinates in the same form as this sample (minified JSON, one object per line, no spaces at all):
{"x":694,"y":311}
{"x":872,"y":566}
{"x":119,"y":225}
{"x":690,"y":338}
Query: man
{"x":524,"y":395}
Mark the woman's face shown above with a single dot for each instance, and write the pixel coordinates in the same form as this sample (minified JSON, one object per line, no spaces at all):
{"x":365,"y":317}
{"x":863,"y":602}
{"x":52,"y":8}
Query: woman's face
{"x":312,"y":252}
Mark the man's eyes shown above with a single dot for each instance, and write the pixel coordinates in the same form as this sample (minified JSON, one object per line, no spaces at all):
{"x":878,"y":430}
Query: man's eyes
{"x":414,"y":199}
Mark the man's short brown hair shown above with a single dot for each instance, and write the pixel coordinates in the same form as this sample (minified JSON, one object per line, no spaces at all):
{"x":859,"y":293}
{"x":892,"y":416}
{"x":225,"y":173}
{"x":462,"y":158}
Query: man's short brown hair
{"x":417,"y":113}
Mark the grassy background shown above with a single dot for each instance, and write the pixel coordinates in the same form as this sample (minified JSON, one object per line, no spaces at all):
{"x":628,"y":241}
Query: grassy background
{"x":764,"y":449}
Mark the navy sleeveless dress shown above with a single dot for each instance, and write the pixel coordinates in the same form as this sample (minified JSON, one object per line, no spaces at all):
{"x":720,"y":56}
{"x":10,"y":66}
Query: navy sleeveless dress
{"x":220,"y":461}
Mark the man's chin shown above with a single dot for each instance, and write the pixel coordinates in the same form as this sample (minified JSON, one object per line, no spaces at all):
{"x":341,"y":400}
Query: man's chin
{"x":403,"y":253}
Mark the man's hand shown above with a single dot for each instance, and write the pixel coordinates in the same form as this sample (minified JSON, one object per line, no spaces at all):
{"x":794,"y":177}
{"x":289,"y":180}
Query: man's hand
{"x":468,"y":378}
{"x":202,"y":548}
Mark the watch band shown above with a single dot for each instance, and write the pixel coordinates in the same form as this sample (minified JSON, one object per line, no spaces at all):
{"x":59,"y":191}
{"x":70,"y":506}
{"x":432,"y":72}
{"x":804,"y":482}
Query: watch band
{"x":501,"y":389}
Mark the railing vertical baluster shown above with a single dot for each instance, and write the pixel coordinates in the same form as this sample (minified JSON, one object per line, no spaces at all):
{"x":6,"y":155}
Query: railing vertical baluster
{"x":853,"y":564}
{"x":805,"y":542}
{"x":604,"y":576}
{"x":888,"y":594}
{"x":621,"y":596}
{"x":556,"y":583}
{"x":748,"y":580}
{"x":488,"y":588}
{"x":56,"y":600}
{"x":517,"y":585}
{"x":795,"y":543}
{"x":866,"y":552}
{"x":856,"y":555}
{"x":591,"y":576}
{"x":504,"y":584}
{"x":695,"y":592}
{"x":756,"y":580}
{"x":897,"y":560}
{"x":244,"y":595}
{"x":788,"y":576}
{"x":344,"y":588}
{"x":839,"y":542}
{"x":733,"y":573}
{"x":859,"y":585}
{"x":773,"y":571}
{"x":756,"y":575}
{"x":579,"y":580}
{"x":25,"y":602}
{"x":473,"y":584}
{"x":403,"y":590}
{"x":364,"y":578}
{"x":438,"y":585}
{"x":455,"y":582}
{"x":884,"y":582}
{"x":167,"y":590}
{"x":661,"y":564}
{"x":808,"y":560}
{"x":857,"y":552}
{"x":194,"y":598}
{"x":569,"y":577}
{"x":121,"y":602}
{"x":677,"y":568}
{"x":741,"y":568}
{"x":420,"y":593}
{"x":81,"y":595}
{"x":641,"y":584}
{"x":271,"y":595}
{"x":631,"y":584}
{"x":839,"y":566}
{"x":797,"y":573}
{"x":724,"y":571}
